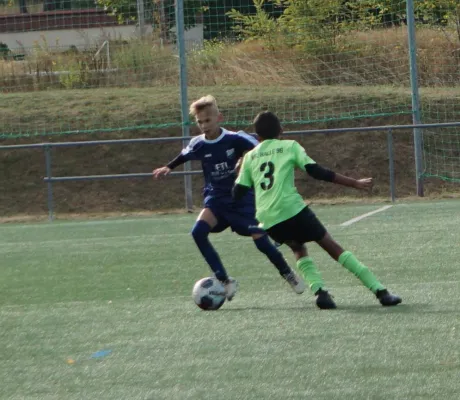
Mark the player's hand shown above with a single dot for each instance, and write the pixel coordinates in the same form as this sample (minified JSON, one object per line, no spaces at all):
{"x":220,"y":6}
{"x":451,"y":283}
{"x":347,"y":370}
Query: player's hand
{"x":364,"y":184}
{"x":159,"y":172}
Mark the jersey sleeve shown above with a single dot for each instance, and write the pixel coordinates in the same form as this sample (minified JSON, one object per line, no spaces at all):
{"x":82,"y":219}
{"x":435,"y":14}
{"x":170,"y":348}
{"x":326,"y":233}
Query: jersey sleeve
{"x":246,"y":141}
{"x":245,"y":177}
{"x":190,"y":152}
{"x":300,"y":156}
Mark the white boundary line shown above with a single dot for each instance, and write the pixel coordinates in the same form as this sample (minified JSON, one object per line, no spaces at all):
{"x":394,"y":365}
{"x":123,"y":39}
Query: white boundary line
{"x":360,"y":217}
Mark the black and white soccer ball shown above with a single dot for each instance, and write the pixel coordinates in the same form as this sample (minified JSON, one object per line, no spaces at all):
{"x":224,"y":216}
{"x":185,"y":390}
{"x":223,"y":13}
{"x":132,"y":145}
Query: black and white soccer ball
{"x":209,"y":293}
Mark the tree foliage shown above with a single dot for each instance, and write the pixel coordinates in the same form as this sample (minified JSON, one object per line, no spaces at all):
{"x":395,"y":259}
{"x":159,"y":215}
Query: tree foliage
{"x":157,"y":12}
{"x":298,"y":20}
{"x":302,"y":21}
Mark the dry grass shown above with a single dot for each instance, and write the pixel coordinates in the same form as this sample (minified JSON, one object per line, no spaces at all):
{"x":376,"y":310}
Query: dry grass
{"x":8,"y":67}
{"x":248,"y":63}
{"x":369,"y":58}
{"x":134,"y":64}
{"x":54,"y":112}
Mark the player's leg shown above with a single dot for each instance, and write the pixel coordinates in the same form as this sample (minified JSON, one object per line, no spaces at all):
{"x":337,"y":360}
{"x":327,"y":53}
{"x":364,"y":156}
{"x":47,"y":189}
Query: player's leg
{"x":265,"y":246}
{"x":352,"y":264}
{"x":311,"y":274}
{"x":294,"y":232}
{"x":243,"y":222}
{"x":204,"y":224}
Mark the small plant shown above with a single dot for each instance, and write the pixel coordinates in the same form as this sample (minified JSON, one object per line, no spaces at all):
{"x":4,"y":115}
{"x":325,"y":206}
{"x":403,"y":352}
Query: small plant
{"x":255,"y":27}
{"x":4,"y":51}
{"x":209,"y":56}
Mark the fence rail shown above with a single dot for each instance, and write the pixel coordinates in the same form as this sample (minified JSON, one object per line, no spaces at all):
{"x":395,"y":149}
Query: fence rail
{"x":49,"y":179}
{"x":186,"y":139}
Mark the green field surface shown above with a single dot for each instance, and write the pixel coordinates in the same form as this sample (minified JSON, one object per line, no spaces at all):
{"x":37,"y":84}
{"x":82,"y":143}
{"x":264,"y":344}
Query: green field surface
{"x":69,"y":289}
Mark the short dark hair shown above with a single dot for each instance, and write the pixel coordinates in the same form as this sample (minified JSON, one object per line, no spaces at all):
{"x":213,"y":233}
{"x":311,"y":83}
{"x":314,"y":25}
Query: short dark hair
{"x":267,"y":125}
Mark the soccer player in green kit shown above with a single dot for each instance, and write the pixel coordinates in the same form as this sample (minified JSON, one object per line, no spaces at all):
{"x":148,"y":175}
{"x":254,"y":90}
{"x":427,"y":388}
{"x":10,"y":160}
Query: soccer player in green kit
{"x":282,"y":213}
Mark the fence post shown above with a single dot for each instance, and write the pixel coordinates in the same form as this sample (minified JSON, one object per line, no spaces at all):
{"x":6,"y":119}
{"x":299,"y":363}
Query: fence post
{"x":49,"y":183}
{"x":141,"y":17}
{"x":391,"y":164}
{"x":183,"y":96}
{"x":416,"y":114}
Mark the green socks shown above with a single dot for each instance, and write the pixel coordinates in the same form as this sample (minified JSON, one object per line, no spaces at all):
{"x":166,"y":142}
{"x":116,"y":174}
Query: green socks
{"x":350,"y":262}
{"x":310,"y":273}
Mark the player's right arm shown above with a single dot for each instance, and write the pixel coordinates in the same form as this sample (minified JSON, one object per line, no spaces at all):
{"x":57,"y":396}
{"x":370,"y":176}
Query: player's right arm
{"x":163,"y":171}
{"x":187,"y":154}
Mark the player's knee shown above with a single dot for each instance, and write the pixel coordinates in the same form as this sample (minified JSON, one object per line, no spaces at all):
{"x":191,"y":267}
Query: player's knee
{"x":295,"y":246}
{"x":257,"y":236}
{"x":299,"y":249}
{"x":200,"y":231}
{"x":262,"y":243}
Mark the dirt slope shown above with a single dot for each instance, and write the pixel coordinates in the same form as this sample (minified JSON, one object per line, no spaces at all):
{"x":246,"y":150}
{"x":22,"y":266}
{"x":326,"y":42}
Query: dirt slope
{"x":357,"y":154}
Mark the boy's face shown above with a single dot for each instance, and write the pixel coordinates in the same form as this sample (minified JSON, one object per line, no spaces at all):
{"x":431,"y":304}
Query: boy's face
{"x":208,"y":121}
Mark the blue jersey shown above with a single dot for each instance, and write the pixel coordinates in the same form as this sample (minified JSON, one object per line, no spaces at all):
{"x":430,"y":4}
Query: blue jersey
{"x":218,"y":159}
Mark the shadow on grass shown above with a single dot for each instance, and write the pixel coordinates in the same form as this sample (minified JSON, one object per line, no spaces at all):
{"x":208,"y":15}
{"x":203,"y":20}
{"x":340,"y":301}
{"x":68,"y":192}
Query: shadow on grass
{"x":418,"y":308}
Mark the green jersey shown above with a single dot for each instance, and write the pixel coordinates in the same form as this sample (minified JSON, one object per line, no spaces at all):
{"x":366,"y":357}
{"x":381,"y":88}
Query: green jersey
{"x":269,"y":168}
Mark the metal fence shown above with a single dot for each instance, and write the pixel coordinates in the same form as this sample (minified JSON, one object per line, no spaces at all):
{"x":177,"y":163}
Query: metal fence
{"x":416,"y":108}
{"x":49,"y":179}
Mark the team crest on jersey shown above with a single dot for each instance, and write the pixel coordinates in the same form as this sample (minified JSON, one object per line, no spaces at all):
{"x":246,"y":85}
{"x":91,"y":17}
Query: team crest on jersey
{"x":231,"y":153}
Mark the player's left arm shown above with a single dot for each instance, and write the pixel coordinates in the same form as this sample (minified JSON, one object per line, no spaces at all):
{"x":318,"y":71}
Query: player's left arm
{"x":316,"y":171}
{"x":324,"y":174}
{"x":243,"y":182}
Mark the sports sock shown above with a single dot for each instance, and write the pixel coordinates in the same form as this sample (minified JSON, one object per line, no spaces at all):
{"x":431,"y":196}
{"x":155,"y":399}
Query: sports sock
{"x":310,"y":273}
{"x":350,"y":262}
{"x":274,"y":255}
{"x":200,"y":233}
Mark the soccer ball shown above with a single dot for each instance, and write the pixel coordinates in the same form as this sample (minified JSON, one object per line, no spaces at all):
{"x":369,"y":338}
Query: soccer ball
{"x":209,"y":293}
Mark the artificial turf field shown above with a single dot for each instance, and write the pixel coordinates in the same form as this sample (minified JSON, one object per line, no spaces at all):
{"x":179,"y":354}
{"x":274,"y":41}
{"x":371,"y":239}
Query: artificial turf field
{"x":71,"y":289}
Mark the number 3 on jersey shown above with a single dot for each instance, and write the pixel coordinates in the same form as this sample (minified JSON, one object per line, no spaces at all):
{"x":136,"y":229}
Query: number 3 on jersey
{"x":269,"y":169}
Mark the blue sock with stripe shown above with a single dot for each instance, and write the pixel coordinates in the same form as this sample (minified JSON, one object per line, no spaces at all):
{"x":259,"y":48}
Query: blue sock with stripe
{"x":274,"y":255}
{"x":200,"y":233}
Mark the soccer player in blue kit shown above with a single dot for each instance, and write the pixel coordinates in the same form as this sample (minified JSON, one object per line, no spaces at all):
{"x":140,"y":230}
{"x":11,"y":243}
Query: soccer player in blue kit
{"x":219,"y":151}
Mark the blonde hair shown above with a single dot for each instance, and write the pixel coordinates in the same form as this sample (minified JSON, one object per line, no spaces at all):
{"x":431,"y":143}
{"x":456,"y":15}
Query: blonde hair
{"x":201,"y":104}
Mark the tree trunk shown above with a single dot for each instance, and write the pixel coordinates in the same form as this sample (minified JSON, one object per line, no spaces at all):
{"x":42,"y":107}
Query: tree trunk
{"x":23,"y":7}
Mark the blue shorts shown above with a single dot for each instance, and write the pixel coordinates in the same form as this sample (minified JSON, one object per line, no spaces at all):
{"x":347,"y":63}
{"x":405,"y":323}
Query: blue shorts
{"x":239,"y":216}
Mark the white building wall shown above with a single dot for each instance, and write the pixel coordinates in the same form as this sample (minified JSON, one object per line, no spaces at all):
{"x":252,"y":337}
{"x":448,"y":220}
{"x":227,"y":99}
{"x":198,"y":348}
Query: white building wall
{"x":81,"y":38}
